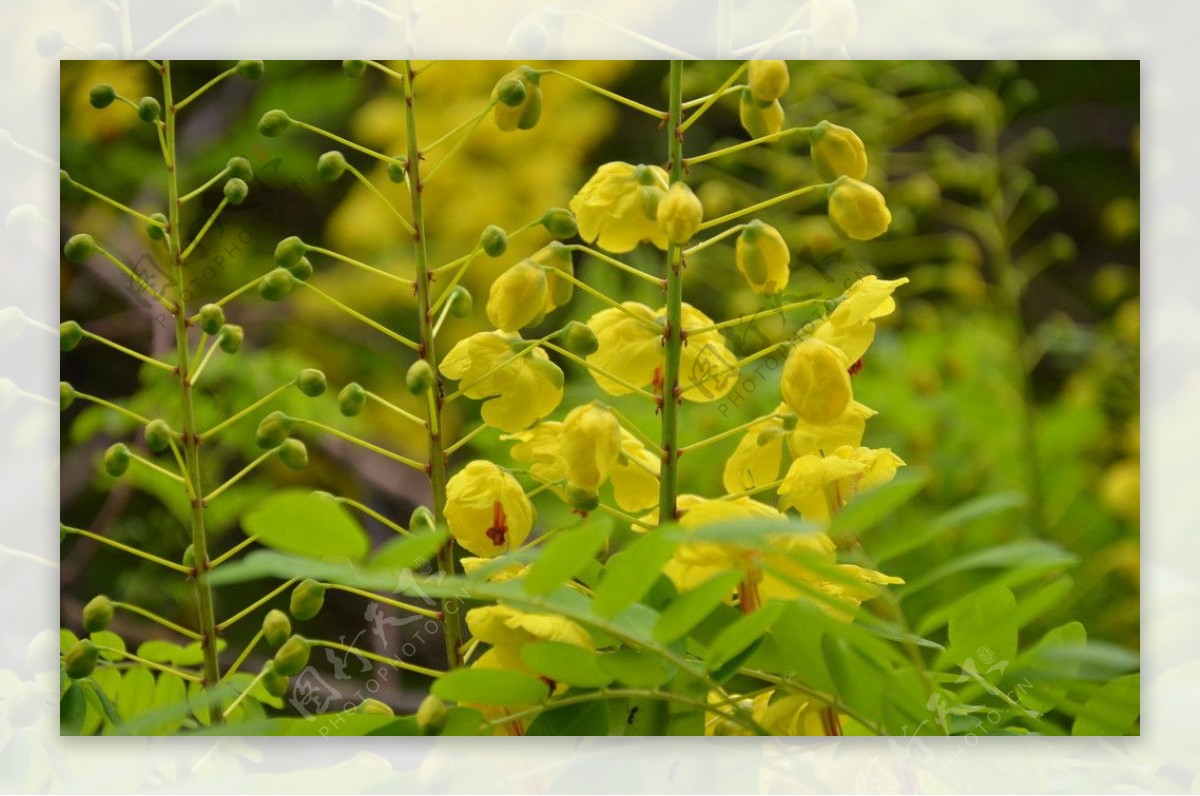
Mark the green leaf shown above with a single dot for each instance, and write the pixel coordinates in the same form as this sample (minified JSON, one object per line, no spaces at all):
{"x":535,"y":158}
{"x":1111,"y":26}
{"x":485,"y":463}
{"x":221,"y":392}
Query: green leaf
{"x":490,"y":687}
{"x":868,"y":510}
{"x":586,"y":718}
{"x":463,"y":721}
{"x":1028,"y":555}
{"x":100,"y":701}
{"x":136,"y":694}
{"x":983,"y":629}
{"x":72,"y":708}
{"x":160,"y":651}
{"x":106,"y":638}
{"x":1042,"y":675}
{"x":1113,"y":710}
{"x":691,"y":608}
{"x":565,"y":663}
{"x":631,"y":572}
{"x":857,"y":681}
{"x":316,"y":525}
{"x":736,"y":638}
{"x":563,"y":557}
{"x":955,"y":519}
{"x":193,"y":655}
{"x":407,"y":552}
{"x":633,"y":669}
{"x":330,"y":724}
{"x":170,"y":696}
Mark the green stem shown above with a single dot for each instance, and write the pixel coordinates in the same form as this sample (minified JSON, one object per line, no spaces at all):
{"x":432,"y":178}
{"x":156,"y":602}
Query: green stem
{"x":399,"y":664}
{"x":780,"y":310}
{"x":343,"y":141}
{"x":386,"y":404}
{"x":211,"y":182}
{"x":729,"y":150}
{"x":229,"y":421}
{"x":233,"y":551}
{"x":149,"y":664}
{"x":712,"y":98}
{"x":113,"y":202}
{"x":704,"y":244}
{"x":200,"y":91}
{"x":110,"y":405}
{"x":637,"y":106}
{"x":764,"y":204}
{"x":362,"y":443}
{"x":370,"y":186}
{"x":452,"y":621}
{"x":668,"y":480}
{"x":370,"y":512}
{"x":578,"y":360}
{"x":243,"y":655}
{"x":216,"y":493}
{"x":254,"y":606}
{"x":204,"y":229}
{"x":153,"y":559}
{"x":415,"y":609}
{"x":358,"y":316}
{"x":134,"y":278}
{"x":615,"y":263}
{"x":153,"y":617}
{"x":726,"y":434}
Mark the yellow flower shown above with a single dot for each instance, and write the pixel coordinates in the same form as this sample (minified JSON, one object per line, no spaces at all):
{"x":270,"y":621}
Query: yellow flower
{"x":814,"y":484}
{"x":635,"y":475}
{"x":763,"y":258}
{"x":510,"y":571}
{"x":520,"y":389}
{"x":518,"y":297}
{"x":776,"y":711}
{"x":680,"y":213}
{"x":502,"y":626}
{"x":486,"y":510}
{"x":847,"y":429}
{"x":617,"y":208}
{"x":755,"y":462}
{"x":693,"y":563}
{"x":760,"y":118}
{"x":590,"y":444}
{"x":850,"y":326}
{"x":837,"y":151}
{"x":857,"y":210}
{"x":815,"y":382}
{"x":768,"y":80}
{"x":633,"y":352}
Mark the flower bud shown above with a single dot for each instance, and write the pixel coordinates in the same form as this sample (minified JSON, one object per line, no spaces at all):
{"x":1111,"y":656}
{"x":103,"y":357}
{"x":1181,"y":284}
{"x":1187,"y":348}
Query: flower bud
{"x":294,"y":454}
{"x":148,"y":110}
{"x":518,"y":297}
{"x":240,"y":167}
{"x":236,"y":191}
{"x":556,"y":259}
{"x":116,"y":460}
{"x":768,"y":80}
{"x":274,"y":683}
{"x":102,"y":95}
{"x":211,"y":318}
{"x":680,"y":213}
{"x":421,"y":520}
{"x":582,"y":499}
{"x":276,"y":285}
{"x":79,"y":248}
{"x":511,"y":91}
{"x":69,"y":335}
{"x":251,"y":70}
{"x":158,"y":435}
{"x":80,"y":660}
{"x":373,"y":707}
{"x":354,"y":69}
{"x":273,"y":123}
{"x":431,"y":715}
{"x":273,"y":430}
{"x":857,"y":210}
{"x":289,"y":251}
{"x":837,"y":152}
{"x":276,"y":627}
{"x":229,"y":338}
{"x":493,"y":241}
{"x":763,"y":258}
{"x":66,"y":395}
{"x":331,"y":166}
{"x":579,"y":339}
{"x":311,"y":382}
{"x":157,"y":231}
{"x":302,"y":269}
{"x":460,"y":302}
{"x":760,"y":118}
{"x":189,"y":556}
{"x":307,"y":599}
{"x":815,"y":383}
{"x":560,"y":223}
{"x":292,"y":657}
{"x":397,"y":169}
{"x":518,"y":107}
{"x":97,"y":614}
{"x":351,"y":399}
{"x":419,"y":377}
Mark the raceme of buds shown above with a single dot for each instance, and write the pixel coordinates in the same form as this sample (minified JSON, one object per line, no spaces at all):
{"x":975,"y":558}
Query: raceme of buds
{"x":212,"y":318}
{"x":768,"y":80}
{"x":273,"y":430}
{"x":311,"y":382}
{"x":857,"y":210}
{"x":273,"y":123}
{"x":236,"y":191}
{"x":229,"y":338}
{"x":276,"y":627}
{"x":837,"y":152}
{"x":680,"y":213}
{"x":69,"y":335}
{"x":292,"y":657}
{"x":816,"y":382}
{"x":759,"y":118}
{"x":419,"y":377}
{"x":763,"y":258}
{"x":307,"y":599}
{"x":331,"y":166}
{"x":158,"y":435}
{"x":351,"y":399}
{"x":79,"y":247}
{"x":97,"y":614}
{"x":518,"y":98}
{"x":294,"y":454}
{"x":277,"y":284}
{"x":116,"y":460}
{"x":81,"y":658}
{"x":487,"y":511}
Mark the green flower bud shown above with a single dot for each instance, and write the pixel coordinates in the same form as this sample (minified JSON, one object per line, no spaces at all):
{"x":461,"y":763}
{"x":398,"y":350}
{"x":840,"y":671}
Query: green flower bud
{"x":69,"y":335}
{"x":649,"y":197}
{"x":116,"y":460}
{"x":857,"y":210}
{"x":240,"y":167}
{"x":579,"y":339}
{"x":768,"y":80}
{"x":680,"y":213}
{"x":354,"y":69}
{"x":511,"y":91}
{"x":431,"y":715}
{"x":274,"y":683}
{"x":102,"y":95}
{"x":97,"y":614}
{"x":211,"y":318}
{"x":229,"y":338}
{"x":460,"y":302}
{"x":289,"y":251}
{"x":158,"y":435}
{"x":66,"y":395}
{"x":419,"y":377}
{"x":837,"y":152}
{"x":582,"y":499}
{"x":157,"y":231}
{"x":302,"y":269}
{"x":79,"y":248}
{"x":292,"y":657}
{"x":493,"y":241}
{"x":273,"y":430}
{"x":397,"y":169}
{"x":80,"y":660}
{"x":311,"y":382}
{"x":560,"y":223}
{"x":763,"y":258}
{"x":236,"y":191}
{"x":518,"y":108}
{"x":294,"y":454}
{"x":351,"y":399}
{"x":148,"y":110}
{"x":189,"y":556}
{"x":276,"y":627}
{"x":307,"y":599}
{"x":251,"y":70}
{"x":331,"y":165}
{"x":760,"y":118}
{"x":273,"y":123}
{"x":276,"y":285}
{"x":373,"y":707}
{"x":421,"y":520}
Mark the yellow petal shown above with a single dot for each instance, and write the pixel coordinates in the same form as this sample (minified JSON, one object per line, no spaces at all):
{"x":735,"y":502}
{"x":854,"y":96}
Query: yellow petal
{"x":486,"y":510}
{"x":815,"y":383}
{"x":756,"y":460}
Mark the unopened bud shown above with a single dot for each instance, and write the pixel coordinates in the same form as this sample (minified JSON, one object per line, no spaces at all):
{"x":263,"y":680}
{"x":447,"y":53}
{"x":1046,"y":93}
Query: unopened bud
{"x":80,"y":247}
{"x":273,"y":123}
{"x":294,"y":454}
{"x":158,"y":229}
{"x":373,"y":707}
{"x":857,"y":210}
{"x":493,"y":241}
{"x":69,"y":335}
{"x":66,"y":395}
{"x":158,"y":435}
{"x":307,"y":599}
{"x":102,"y":95}
{"x":273,"y":430}
{"x":519,"y":100}
{"x":292,"y":657}
{"x":680,"y":213}
{"x":97,"y":614}
{"x":302,"y":269}
{"x":229,"y":338}
{"x":116,"y":460}
{"x":837,"y":151}
{"x":560,"y":223}
{"x":460,"y":302}
{"x":251,"y":70}
{"x":760,"y":118}
{"x":311,"y":382}
{"x":289,"y":251}
{"x":354,"y":69}
{"x":768,"y":80}
{"x":431,"y":715}
{"x":274,"y":683}
{"x":582,"y":499}
{"x":421,"y":520}
{"x":276,"y":285}
{"x":240,"y":167}
{"x":397,"y":169}
{"x":236,"y":191}
{"x":419,"y":377}
{"x":351,"y":399}
{"x":189,"y":556}
{"x":148,"y":110}
{"x":579,"y":339}
{"x":276,"y":627}
{"x":80,"y":660}
{"x":211,"y":318}
{"x":331,"y":166}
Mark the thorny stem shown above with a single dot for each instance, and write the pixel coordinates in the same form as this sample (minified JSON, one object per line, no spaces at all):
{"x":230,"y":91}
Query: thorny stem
{"x":673,"y":335}
{"x":190,"y":439}
{"x":452,"y":621}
